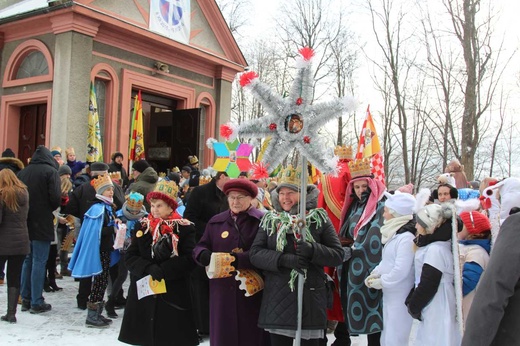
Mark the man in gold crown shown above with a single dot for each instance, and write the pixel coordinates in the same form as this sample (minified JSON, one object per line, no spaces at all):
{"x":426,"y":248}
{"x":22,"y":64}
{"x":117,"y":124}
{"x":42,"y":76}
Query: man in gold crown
{"x":281,"y":252}
{"x":161,"y":247}
{"x":361,"y":221}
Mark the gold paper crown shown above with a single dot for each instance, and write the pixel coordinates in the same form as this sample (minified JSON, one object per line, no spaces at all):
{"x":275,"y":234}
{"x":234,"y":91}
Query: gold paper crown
{"x":193,"y":159}
{"x":167,"y":187}
{"x":134,"y":201}
{"x":101,"y":181}
{"x":290,"y":175}
{"x":176,"y":169}
{"x":359,"y":168}
{"x":115,"y":175}
{"x":343,"y":152}
{"x":204,"y":180}
{"x":162,"y":174}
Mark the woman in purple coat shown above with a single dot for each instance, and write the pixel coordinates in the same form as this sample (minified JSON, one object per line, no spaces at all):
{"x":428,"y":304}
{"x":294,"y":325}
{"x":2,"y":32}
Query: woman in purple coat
{"x":228,"y":236}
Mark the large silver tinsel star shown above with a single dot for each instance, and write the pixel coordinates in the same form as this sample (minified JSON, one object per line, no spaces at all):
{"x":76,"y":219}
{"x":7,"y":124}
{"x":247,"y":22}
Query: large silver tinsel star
{"x":293,"y":121}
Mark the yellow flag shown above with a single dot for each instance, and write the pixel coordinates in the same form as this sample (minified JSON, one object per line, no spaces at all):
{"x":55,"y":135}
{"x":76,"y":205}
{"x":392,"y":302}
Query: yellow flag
{"x":94,"y":146}
{"x":136,"y":133}
{"x":368,"y":140}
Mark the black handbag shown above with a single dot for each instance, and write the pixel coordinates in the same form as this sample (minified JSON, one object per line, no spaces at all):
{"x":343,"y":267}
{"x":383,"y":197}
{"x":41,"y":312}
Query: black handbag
{"x":163,"y":248}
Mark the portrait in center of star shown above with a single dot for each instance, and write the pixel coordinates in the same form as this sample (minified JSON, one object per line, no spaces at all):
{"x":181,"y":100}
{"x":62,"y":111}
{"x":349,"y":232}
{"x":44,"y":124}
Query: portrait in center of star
{"x":293,"y":123}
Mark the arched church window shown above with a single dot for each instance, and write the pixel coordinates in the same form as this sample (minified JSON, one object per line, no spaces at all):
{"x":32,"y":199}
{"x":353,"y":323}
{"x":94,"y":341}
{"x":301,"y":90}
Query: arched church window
{"x":34,"y":64}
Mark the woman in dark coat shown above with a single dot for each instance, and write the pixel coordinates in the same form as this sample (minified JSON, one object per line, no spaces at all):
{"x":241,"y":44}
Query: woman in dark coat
{"x":233,"y":315}
{"x":162,"y":319}
{"x":14,"y":208}
{"x":277,"y":251}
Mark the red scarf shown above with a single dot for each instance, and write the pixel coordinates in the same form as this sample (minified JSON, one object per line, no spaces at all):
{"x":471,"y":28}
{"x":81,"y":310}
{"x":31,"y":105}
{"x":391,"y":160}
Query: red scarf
{"x":162,"y":225}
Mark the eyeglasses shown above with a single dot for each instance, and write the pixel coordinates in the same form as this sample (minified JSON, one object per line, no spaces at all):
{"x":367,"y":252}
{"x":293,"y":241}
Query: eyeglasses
{"x":236,"y":198}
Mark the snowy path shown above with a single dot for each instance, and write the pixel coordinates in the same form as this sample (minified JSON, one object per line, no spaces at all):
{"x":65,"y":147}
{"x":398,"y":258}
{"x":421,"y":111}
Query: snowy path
{"x":65,"y":324}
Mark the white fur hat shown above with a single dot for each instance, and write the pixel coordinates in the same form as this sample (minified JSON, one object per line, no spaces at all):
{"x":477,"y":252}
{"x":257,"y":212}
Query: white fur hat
{"x":430,"y":217}
{"x":401,"y":203}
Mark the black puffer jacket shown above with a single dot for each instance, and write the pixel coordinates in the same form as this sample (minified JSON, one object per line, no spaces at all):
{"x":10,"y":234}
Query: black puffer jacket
{"x":279,"y":305}
{"x":44,"y":186}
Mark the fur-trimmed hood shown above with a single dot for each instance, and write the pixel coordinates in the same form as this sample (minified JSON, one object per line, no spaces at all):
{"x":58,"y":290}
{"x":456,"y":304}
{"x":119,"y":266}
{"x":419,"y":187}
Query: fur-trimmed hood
{"x":12,"y":163}
{"x":311,"y":201}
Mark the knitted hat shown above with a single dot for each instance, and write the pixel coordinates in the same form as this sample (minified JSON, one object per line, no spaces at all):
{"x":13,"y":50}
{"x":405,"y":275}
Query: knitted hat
{"x":475,"y":222}
{"x":401,"y":203}
{"x":240,"y":185}
{"x":55,"y":152}
{"x":98,"y":167}
{"x":116,"y":155}
{"x":140,"y":165}
{"x":432,"y":215}
{"x":193,"y":159}
{"x":134,"y":202}
{"x":406,"y":188}
{"x":8,"y":153}
{"x":173,"y":176}
{"x":101,"y":183}
{"x":167,"y":191}
{"x":64,"y":169}
{"x":186,"y":168}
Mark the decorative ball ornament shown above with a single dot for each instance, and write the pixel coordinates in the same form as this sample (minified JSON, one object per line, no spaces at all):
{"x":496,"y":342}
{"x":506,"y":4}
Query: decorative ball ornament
{"x":293,"y":122}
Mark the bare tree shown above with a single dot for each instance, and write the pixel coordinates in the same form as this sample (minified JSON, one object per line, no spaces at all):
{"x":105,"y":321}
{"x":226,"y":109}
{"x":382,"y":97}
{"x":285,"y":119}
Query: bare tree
{"x":343,"y":64}
{"x":482,"y":71}
{"x":388,"y":26}
{"x":236,"y":14}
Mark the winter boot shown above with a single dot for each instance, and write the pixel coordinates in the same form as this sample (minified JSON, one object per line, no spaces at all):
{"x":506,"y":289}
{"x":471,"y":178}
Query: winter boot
{"x":120,"y":300}
{"x":55,"y":288}
{"x":109,"y":307}
{"x":93,"y":319}
{"x":101,"y":305}
{"x":12,"y":301}
{"x":46,"y":287}
{"x":26,"y":305}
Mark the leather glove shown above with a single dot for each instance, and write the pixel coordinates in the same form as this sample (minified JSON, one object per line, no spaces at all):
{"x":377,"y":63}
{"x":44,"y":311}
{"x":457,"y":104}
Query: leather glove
{"x":304,"y":249}
{"x":291,"y":261}
{"x":205,"y":257}
{"x":155,"y":271}
{"x":370,"y":278}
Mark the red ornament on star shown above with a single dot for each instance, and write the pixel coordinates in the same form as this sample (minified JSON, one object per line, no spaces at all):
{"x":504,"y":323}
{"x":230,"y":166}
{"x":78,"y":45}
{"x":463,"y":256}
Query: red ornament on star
{"x":306,"y":139}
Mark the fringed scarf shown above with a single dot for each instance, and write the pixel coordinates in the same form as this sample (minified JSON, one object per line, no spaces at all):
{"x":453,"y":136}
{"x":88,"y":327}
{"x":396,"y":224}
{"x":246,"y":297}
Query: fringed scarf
{"x":158,"y":227}
{"x":284,"y":223}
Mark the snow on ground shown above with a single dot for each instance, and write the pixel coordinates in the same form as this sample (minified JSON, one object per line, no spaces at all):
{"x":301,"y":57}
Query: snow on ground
{"x":65,"y":323}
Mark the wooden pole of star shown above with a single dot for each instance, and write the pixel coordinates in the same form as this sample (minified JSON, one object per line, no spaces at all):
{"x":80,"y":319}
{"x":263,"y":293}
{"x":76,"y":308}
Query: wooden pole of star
{"x":302,"y":230}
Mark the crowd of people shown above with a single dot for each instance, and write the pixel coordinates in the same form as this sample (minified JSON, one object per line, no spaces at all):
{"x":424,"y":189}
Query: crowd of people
{"x":224,"y":258}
